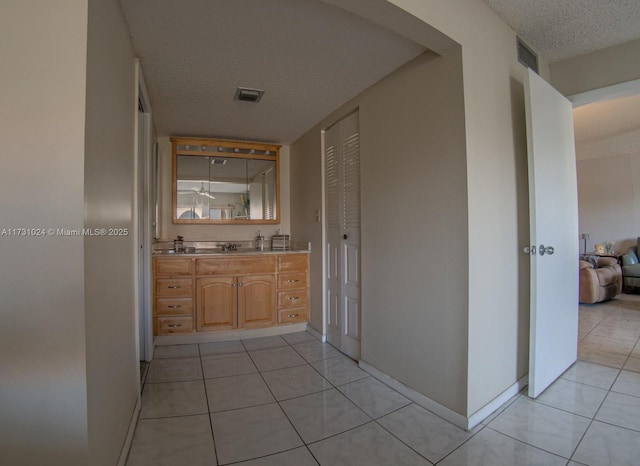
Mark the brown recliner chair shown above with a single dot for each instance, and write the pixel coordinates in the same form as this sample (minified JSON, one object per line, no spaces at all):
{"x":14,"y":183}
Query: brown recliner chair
{"x":600,"y":280}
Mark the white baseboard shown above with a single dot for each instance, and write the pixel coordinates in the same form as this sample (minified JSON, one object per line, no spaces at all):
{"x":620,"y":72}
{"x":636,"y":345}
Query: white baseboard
{"x":439,"y":410}
{"x":488,"y":409}
{"x":208,"y":337}
{"x":124,"y":453}
{"x":315,"y":333}
{"x":445,"y":413}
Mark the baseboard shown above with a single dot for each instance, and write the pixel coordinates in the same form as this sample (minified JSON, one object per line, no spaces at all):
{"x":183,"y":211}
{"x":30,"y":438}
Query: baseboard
{"x":315,"y":333}
{"x":124,"y":453}
{"x":495,"y":404}
{"x":439,"y":410}
{"x":208,"y":337}
{"x":436,"y":408}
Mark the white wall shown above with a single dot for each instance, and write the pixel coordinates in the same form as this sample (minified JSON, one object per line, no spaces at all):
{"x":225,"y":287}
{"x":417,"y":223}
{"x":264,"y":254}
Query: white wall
{"x":112,"y":365}
{"x":43,"y":389}
{"x":169,"y":230}
{"x":608,"y":163}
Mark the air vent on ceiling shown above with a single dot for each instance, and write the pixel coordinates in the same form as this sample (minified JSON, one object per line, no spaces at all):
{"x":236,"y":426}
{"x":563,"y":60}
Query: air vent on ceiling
{"x":526,"y":56}
{"x":249,"y":95}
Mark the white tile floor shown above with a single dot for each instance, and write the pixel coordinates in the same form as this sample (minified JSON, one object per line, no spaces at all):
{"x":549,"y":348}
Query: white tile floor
{"x":293,"y":400}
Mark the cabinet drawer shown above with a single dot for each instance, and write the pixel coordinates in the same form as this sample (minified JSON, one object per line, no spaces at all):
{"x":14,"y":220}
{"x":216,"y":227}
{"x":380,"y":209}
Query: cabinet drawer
{"x":293,"y":262}
{"x":170,"y":267}
{"x":174,"y":287}
{"x":292,"y":316}
{"x":168,"y":325}
{"x":173,"y":306}
{"x":293,"y":298}
{"x":292,"y":280}
{"x":236,"y":265}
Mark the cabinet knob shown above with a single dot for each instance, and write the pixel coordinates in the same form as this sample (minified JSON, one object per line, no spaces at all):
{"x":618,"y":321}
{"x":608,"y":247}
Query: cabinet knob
{"x":293,"y":315}
{"x":293,"y":298}
{"x":174,"y":325}
{"x":173,"y":287}
{"x":293,"y":281}
{"x":177,"y":306}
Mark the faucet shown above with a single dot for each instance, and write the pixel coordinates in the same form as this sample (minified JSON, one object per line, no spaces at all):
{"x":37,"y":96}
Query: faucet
{"x":229,"y":247}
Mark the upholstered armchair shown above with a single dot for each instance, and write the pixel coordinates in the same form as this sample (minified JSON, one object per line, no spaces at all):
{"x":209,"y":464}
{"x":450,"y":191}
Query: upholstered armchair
{"x":600,"y":279}
{"x":631,"y":268}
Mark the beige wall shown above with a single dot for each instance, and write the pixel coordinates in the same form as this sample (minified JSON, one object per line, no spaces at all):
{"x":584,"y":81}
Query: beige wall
{"x":613,"y":65}
{"x":112,"y":365}
{"x":68,"y":355}
{"x":413,"y":175}
{"x":169,"y":230}
{"x":43,"y":389}
{"x":497,"y":307}
{"x":608,"y":162}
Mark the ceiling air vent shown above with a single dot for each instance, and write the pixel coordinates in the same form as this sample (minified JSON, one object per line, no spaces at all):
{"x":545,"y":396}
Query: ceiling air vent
{"x":249,"y":95}
{"x":526,"y":56}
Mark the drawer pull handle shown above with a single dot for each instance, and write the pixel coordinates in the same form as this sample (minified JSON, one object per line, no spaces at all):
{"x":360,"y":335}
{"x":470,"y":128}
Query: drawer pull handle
{"x":177,"y":306}
{"x":293,"y":298}
{"x":173,"y":287}
{"x":174,"y":325}
{"x":293,"y":281}
{"x":293,"y":315}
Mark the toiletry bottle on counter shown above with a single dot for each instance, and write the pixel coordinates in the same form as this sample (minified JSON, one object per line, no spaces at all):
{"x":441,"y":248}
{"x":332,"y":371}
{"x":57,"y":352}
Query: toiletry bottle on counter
{"x":260,"y":241}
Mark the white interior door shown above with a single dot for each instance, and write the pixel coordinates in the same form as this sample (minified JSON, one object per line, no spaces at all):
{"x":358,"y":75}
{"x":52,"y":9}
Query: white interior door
{"x":342,"y":235}
{"x":553,"y":205}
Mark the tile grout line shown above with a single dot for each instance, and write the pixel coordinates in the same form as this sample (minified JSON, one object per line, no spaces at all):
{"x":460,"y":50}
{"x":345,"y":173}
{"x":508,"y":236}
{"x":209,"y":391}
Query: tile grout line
{"x":206,"y":398}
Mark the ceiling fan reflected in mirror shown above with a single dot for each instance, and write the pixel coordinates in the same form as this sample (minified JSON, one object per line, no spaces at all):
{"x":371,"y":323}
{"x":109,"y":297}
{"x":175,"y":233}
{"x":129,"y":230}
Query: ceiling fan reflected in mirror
{"x":201,"y":191}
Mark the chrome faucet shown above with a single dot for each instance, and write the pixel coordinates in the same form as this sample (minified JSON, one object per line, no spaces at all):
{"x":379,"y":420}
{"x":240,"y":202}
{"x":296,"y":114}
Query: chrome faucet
{"x":229,"y":247}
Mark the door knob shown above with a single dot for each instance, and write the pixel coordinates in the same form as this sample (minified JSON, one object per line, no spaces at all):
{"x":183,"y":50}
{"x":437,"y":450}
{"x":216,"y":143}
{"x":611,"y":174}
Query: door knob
{"x":345,"y":236}
{"x":530,"y":249}
{"x":545,"y":250}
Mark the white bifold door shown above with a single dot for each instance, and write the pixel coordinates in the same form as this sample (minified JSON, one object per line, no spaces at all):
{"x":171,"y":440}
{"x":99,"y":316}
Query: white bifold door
{"x":553,"y":248}
{"x":342,"y":235}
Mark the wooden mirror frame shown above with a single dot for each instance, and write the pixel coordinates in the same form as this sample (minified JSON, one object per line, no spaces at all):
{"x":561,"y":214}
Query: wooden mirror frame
{"x":230,"y":149}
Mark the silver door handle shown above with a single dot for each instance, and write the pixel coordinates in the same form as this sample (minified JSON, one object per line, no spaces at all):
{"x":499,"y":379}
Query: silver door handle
{"x":530,"y":249}
{"x":545,"y":250}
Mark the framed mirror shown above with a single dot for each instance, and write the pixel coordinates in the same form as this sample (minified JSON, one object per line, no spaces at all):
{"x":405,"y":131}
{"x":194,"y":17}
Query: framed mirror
{"x":225,"y":182}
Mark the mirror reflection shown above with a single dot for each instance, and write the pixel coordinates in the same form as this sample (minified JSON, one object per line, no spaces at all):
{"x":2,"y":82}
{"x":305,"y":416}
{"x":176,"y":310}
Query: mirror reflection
{"x":228,"y":187}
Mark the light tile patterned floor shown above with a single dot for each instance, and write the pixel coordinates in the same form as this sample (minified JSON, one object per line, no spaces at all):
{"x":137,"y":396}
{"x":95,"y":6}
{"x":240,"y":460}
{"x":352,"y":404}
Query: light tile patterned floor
{"x":293,"y":400}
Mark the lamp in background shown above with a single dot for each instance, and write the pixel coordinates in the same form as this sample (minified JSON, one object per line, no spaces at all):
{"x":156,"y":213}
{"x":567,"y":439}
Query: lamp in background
{"x":584,"y":237}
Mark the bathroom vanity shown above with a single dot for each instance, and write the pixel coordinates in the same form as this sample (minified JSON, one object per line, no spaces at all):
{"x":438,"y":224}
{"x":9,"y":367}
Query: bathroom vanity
{"x":207,"y":291}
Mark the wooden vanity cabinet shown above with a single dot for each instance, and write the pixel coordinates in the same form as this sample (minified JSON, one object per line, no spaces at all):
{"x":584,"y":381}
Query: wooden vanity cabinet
{"x":246,"y":301}
{"x":293,"y":288}
{"x":231,"y":292}
{"x":173,"y":295}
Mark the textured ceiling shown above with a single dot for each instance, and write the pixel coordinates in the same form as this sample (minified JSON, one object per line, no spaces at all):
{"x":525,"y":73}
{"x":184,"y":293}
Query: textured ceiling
{"x":309,"y":58}
{"x":562,"y":29}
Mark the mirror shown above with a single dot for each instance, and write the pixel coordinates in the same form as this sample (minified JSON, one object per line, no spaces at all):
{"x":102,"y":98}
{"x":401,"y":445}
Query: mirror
{"x":225,"y":182}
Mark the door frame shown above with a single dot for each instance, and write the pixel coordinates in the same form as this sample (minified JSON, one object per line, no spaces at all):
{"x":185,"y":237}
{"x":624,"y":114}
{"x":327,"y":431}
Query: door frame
{"x":143,"y":210}
{"x":323,"y":221}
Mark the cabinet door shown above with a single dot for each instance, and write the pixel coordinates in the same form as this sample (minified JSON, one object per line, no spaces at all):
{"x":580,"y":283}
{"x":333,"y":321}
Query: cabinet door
{"x":216,"y":303}
{"x":256,"y":301}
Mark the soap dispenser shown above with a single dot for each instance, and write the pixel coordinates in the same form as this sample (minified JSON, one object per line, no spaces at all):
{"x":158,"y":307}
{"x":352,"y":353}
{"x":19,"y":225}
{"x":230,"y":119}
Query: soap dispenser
{"x":260,"y":241}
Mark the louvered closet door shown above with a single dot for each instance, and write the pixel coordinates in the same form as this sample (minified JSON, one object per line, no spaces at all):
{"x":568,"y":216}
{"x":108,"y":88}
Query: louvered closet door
{"x":342,"y":230}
